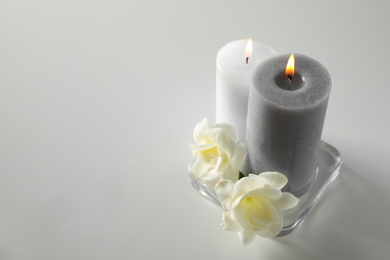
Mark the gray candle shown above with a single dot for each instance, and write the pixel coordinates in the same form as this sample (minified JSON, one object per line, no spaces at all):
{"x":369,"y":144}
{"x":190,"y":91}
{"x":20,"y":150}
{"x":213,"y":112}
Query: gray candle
{"x":286,"y":113}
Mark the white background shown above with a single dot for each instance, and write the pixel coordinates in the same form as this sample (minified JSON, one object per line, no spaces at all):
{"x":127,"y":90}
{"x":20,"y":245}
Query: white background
{"x":98,"y":100}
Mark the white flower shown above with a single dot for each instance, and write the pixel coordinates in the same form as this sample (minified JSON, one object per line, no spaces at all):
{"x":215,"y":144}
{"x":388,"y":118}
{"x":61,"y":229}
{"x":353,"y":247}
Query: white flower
{"x":217,"y":154}
{"x":255,"y":205}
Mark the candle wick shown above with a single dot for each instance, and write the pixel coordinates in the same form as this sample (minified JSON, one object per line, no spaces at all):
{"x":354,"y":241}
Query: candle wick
{"x":289,"y":78}
{"x":247,"y":58}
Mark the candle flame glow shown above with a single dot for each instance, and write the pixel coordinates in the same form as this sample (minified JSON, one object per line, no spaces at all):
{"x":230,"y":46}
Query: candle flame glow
{"x":290,"y":66}
{"x":248,"y":49}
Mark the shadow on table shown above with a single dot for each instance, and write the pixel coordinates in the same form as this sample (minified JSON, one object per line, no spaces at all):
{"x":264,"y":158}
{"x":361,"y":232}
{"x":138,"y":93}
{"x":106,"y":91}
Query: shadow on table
{"x":351,"y":221}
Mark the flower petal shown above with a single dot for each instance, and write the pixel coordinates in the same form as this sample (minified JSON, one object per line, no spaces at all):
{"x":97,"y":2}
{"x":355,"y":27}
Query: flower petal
{"x":201,"y":147}
{"x":253,"y":212}
{"x":200,"y":129}
{"x":228,"y":130}
{"x":272,"y":230}
{"x":231,"y":174}
{"x":221,"y":140}
{"x":275,"y":179}
{"x":229,"y":224}
{"x":232,"y":168}
{"x":198,"y":168}
{"x":246,"y":184}
{"x":239,"y":155}
{"x":266,"y":192}
{"x":287,"y":201}
{"x":216,"y":152}
{"x":224,"y":190}
{"x":246,"y":236}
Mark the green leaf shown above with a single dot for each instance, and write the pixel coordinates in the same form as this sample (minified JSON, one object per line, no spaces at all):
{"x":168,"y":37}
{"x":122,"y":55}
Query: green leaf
{"x":241,"y":175}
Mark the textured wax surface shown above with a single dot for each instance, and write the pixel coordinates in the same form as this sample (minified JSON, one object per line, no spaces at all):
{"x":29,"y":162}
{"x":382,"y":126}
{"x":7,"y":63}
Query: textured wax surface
{"x":284,"y":127}
{"x":314,"y":91}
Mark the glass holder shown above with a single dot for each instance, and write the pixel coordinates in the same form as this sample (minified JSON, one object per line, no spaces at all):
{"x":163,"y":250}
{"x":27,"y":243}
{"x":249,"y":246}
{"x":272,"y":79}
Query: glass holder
{"x":329,"y":163}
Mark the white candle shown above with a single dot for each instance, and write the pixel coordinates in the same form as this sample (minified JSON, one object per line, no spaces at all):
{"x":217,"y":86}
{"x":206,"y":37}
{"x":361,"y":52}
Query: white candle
{"x":234,"y":70}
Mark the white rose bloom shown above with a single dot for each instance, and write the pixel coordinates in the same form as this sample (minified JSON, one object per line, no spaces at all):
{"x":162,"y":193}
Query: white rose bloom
{"x":255,"y":205}
{"x":217,"y":154}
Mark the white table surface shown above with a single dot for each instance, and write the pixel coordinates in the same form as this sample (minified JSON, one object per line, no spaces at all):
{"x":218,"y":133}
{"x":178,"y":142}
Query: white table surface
{"x":98,"y":100}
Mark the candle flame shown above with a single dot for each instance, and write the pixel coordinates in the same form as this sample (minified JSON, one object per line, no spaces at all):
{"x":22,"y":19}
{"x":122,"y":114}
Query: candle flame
{"x":248,"y":49}
{"x":290,"y":66}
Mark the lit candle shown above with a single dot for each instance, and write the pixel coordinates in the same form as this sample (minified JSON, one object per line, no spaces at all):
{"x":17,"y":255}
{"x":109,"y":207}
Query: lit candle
{"x":286,"y":112}
{"x":235,"y":63}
